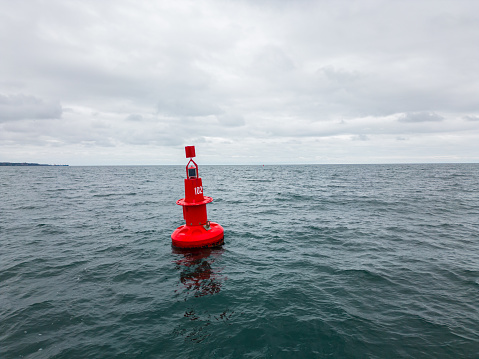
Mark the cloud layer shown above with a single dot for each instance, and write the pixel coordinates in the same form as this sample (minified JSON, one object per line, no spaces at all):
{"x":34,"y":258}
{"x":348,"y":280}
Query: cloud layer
{"x":123,"y":82}
{"x":21,"y":107}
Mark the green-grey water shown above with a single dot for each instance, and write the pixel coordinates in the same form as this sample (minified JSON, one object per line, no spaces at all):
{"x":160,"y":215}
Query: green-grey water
{"x":346,"y":261}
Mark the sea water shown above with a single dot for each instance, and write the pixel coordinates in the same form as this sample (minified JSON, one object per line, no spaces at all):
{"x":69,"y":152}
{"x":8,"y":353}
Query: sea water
{"x":326,"y":261}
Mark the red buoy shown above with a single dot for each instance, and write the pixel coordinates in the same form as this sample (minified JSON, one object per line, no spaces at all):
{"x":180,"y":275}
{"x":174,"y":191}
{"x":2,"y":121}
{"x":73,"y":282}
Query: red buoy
{"x":198,"y":232}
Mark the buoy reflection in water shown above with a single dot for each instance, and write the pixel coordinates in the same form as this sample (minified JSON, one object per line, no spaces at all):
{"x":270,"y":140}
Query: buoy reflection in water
{"x":197,"y":274}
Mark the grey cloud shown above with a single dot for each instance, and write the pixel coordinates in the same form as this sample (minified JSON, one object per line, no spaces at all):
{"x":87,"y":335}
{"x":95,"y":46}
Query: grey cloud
{"x":337,"y":77}
{"x":231,"y":120}
{"x":471,"y":118}
{"x":134,"y":118}
{"x":272,"y":60}
{"x":155,"y":137}
{"x":420,"y":117}
{"x":361,"y":137}
{"x":22,"y":107}
{"x":188,"y":107}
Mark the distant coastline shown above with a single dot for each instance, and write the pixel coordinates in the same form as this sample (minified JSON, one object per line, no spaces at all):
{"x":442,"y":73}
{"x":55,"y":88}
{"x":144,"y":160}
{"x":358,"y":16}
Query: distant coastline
{"x":25,"y":164}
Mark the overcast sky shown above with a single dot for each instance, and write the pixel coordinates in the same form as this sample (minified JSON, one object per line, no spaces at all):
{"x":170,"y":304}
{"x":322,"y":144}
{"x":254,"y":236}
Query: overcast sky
{"x":247,"y":82}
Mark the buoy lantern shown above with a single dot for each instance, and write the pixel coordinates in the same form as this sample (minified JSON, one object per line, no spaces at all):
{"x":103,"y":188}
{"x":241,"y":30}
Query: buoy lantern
{"x":198,"y":232}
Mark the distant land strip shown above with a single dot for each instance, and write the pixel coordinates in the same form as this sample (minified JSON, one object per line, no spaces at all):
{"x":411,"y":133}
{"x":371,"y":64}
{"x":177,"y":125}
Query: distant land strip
{"x":25,"y":164}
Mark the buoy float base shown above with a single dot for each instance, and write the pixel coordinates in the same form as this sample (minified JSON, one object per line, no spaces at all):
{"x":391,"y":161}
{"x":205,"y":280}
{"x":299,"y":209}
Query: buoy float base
{"x":201,"y":236}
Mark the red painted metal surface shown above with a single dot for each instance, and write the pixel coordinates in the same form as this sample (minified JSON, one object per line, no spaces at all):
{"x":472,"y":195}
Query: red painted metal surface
{"x":198,"y":232}
{"x":190,"y":151}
